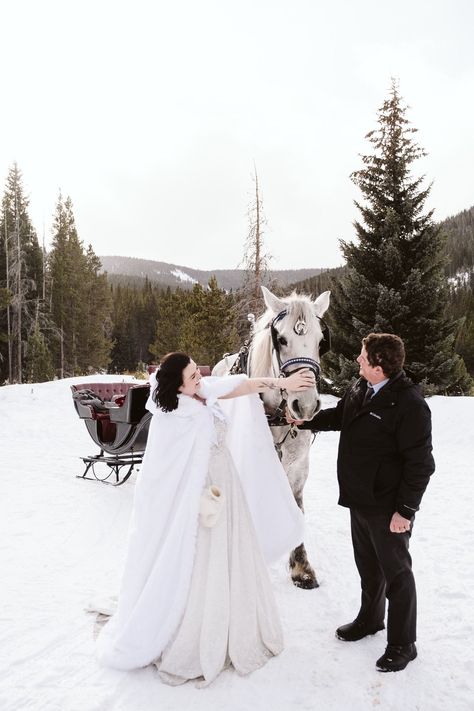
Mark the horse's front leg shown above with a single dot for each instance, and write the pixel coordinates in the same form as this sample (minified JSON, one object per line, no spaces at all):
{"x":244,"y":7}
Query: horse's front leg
{"x":295,"y":460}
{"x":302,"y":573}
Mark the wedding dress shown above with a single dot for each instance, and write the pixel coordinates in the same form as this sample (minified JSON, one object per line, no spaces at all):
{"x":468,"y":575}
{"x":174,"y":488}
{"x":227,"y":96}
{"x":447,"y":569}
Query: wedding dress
{"x":196,"y":599}
{"x":230,"y":615}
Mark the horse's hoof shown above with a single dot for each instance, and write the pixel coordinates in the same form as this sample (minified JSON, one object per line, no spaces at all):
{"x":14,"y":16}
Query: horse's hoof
{"x":306,"y":582}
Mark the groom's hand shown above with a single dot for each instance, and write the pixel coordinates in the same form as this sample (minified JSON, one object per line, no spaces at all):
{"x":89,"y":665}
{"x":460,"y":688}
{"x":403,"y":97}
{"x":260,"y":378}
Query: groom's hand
{"x":398,"y":524}
{"x":291,"y":420}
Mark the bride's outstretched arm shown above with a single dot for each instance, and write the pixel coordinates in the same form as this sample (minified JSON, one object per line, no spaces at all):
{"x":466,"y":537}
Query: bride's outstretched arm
{"x":302,"y":380}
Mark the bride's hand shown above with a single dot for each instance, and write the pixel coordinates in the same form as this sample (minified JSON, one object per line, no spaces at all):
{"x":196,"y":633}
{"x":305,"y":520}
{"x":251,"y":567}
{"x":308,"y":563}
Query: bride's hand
{"x":302,"y":380}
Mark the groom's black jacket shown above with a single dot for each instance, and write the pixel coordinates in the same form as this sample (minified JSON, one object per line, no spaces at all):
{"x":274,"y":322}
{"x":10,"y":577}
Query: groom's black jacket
{"x":384,"y":461}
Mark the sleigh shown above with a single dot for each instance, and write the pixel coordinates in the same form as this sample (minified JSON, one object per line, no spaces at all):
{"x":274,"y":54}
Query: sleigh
{"x":117,"y":420}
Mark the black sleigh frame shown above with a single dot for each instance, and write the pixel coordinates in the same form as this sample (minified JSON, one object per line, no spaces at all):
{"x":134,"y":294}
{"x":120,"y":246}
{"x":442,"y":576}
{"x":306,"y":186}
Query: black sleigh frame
{"x":117,"y":420}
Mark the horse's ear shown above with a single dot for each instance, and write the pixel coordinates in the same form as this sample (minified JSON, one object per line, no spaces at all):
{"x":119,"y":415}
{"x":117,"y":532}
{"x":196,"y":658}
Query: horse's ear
{"x":321,"y":304}
{"x":272,"y":302}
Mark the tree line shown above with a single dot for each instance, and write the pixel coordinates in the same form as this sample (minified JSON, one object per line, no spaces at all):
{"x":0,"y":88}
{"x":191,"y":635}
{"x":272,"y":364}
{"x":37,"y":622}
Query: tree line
{"x":394,"y":279}
{"x":55,"y":307}
{"x":60,"y":316}
{"x":459,"y":259}
{"x":150,"y":322}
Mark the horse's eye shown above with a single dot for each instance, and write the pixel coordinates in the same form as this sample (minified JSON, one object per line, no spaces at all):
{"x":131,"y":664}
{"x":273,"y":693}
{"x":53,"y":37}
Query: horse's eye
{"x":282,"y":341}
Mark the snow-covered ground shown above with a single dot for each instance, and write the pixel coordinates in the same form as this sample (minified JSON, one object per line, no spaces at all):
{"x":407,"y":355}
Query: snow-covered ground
{"x":62,"y":541}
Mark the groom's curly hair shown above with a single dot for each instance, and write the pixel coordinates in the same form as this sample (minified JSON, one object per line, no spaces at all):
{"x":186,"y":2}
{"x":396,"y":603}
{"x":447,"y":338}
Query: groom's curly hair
{"x":169,"y":378}
{"x":386,"y":350}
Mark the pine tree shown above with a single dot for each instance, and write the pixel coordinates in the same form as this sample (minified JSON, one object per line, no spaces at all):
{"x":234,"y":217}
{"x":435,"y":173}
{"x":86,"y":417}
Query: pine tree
{"x":460,"y":243}
{"x":66,"y":270}
{"x":169,"y":321}
{"x":5,"y":298}
{"x":191,"y":335}
{"x":395,"y":273}
{"x":146,"y":321}
{"x":95,"y":331}
{"x":123,"y":355}
{"x":21,"y":274}
{"x":80,"y":299}
{"x":39,"y":363}
{"x":461,"y":309}
{"x":208,"y":329}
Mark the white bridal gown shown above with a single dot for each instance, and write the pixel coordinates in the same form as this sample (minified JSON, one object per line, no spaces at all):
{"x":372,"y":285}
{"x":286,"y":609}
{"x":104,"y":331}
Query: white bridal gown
{"x":231,"y":615}
{"x":194,"y":600}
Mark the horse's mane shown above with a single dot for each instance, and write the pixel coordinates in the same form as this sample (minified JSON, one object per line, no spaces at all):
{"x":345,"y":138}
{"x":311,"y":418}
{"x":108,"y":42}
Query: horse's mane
{"x":298,"y":306}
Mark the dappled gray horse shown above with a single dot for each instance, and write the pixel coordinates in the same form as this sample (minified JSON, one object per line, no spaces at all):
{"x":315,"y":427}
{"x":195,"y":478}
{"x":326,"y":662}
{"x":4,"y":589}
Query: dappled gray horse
{"x":290,"y":335}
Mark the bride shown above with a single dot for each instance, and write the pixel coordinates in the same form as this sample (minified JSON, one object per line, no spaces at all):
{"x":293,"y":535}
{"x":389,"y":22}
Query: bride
{"x":212,"y":506}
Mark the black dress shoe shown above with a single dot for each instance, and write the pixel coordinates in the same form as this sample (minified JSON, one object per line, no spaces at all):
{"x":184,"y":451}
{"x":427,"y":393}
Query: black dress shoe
{"x":356,"y":630}
{"x":396,"y":657}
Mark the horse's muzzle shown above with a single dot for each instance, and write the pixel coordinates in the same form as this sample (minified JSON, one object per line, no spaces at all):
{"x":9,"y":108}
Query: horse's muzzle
{"x":301,"y":410}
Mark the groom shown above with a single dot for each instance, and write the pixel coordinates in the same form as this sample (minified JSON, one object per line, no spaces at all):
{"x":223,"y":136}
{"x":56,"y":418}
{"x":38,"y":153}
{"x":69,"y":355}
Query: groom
{"x":384,"y":465}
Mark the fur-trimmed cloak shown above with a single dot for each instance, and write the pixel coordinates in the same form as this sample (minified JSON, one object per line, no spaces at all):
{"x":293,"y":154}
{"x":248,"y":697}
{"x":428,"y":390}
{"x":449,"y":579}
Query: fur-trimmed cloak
{"x":161,"y":545}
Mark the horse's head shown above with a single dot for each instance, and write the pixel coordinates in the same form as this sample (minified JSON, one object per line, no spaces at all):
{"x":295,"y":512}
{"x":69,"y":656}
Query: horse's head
{"x":297,"y":339}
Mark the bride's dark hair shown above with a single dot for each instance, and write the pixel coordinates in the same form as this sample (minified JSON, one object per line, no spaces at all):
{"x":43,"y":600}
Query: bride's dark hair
{"x":169,"y":378}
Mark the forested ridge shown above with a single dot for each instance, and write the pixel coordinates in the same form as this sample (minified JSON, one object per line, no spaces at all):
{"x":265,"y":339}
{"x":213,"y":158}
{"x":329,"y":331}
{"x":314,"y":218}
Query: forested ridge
{"x":134,"y":271}
{"x":459,"y":230}
{"x":62,"y":315}
{"x":459,"y":269}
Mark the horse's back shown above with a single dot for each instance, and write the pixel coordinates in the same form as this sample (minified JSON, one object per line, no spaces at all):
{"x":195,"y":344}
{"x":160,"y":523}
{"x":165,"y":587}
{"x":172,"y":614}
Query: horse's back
{"x":223,"y":366}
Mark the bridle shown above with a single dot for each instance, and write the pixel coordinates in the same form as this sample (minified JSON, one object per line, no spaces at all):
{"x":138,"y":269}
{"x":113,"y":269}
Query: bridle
{"x":278,"y":419}
{"x":241,"y":365}
{"x":302,"y":361}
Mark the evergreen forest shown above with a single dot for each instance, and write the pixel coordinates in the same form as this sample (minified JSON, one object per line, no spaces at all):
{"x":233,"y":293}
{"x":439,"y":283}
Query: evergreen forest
{"x":61,"y":316}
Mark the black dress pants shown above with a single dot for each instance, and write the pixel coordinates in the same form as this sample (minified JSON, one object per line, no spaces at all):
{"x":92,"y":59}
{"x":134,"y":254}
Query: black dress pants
{"x":384,"y":566}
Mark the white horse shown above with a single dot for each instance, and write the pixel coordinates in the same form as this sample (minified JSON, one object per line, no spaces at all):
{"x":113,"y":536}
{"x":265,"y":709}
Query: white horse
{"x":290,"y":335}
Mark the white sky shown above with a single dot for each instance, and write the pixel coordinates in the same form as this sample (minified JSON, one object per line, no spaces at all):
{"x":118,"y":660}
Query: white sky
{"x":150,"y":116}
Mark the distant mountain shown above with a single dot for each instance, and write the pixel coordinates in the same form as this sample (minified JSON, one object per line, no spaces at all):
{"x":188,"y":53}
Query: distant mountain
{"x":131,"y":270}
{"x":315,"y":285}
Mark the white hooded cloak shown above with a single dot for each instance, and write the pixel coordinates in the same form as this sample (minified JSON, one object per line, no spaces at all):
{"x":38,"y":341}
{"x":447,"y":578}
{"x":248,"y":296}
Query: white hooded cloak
{"x":163,"y":529}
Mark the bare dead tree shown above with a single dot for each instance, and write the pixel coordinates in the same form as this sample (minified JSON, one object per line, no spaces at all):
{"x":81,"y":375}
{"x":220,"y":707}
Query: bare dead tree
{"x":255,"y":262}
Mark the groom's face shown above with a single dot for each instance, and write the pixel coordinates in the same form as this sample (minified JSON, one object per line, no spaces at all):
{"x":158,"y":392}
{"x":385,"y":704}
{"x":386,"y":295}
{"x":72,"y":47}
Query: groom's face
{"x":373,"y":374}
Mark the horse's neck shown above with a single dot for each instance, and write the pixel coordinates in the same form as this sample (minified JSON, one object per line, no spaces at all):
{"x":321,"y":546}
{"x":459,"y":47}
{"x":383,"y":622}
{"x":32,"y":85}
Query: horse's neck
{"x":265,"y":368}
{"x":261,"y":359}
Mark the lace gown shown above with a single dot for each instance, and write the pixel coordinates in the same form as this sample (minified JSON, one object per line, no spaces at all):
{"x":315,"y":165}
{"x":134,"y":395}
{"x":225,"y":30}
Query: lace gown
{"x":231,"y":616}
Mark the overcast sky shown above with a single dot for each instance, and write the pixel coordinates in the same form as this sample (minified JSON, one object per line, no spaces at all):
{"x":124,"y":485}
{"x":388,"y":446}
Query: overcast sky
{"x":151,"y":114}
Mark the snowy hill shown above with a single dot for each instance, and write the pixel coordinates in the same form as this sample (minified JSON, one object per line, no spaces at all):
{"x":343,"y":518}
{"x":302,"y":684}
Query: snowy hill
{"x":131,"y":269}
{"x":62,"y":540}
